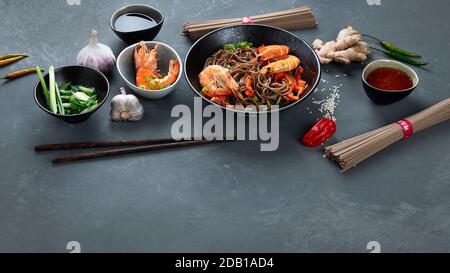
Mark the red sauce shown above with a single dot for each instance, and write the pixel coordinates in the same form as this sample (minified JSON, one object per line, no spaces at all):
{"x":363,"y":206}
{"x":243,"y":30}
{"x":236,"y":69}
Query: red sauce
{"x":387,"y":78}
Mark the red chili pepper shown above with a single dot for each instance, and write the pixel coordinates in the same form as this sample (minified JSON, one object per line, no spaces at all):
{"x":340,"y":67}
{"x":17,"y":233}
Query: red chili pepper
{"x":249,"y":86}
{"x":290,"y":80}
{"x":323,"y":130}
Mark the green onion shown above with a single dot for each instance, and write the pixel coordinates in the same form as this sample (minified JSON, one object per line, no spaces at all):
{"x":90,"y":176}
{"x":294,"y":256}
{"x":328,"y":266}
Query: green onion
{"x":81,"y":96}
{"x":67,"y":99}
{"x":65,"y":86}
{"x":52,"y":92}
{"x":154,"y":76}
{"x":204,"y":90}
{"x":43,"y":84}
{"x":255,"y":99}
{"x":60,"y":103}
{"x":244,"y":45}
{"x":240,"y":45}
{"x":89,"y":109}
{"x":229,"y":47}
{"x":85,"y":90}
{"x":147,"y":79}
{"x":65,"y":92}
{"x":151,"y":85}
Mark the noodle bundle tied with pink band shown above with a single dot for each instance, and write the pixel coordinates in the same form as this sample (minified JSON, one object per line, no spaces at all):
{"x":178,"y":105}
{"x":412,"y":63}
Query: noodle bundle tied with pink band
{"x":246,"y":20}
{"x":295,"y":18}
{"x":350,"y":152}
{"x":407,"y":127}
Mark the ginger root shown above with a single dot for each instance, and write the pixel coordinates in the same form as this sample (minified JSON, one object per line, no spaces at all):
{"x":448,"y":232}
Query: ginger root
{"x":349,"y":46}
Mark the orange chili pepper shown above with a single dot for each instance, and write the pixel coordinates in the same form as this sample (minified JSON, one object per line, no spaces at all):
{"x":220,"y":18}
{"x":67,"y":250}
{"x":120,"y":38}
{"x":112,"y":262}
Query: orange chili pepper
{"x":20,"y":73}
{"x":11,"y":60}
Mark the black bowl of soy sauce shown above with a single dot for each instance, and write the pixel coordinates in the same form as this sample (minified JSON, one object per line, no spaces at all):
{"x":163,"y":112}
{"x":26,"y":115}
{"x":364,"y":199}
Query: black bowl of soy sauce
{"x":135,"y":23}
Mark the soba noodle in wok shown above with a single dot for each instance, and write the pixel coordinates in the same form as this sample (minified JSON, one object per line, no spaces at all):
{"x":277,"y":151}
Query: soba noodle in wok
{"x":240,"y":74}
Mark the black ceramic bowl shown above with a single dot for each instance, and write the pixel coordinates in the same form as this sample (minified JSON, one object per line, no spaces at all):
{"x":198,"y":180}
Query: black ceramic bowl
{"x":148,"y":34}
{"x":258,"y":35}
{"x":379,"y":96}
{"x":77,"y":75}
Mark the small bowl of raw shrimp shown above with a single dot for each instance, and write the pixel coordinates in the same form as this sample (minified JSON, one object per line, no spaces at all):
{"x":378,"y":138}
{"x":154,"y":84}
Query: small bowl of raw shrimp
{"x":150,"y":69}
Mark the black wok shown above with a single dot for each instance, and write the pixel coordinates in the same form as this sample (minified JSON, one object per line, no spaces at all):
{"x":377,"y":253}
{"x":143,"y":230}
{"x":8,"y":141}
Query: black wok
{"x":258,"y":35}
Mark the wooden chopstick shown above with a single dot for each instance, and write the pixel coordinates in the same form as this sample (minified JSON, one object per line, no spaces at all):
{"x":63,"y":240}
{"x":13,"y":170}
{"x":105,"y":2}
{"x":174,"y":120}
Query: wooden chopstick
{"x":101,"y":144}
{"x":131,"y":150}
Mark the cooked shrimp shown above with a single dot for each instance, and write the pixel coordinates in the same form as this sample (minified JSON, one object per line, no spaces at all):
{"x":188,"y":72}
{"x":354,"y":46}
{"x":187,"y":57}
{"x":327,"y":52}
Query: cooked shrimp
{"x":270,"y":52}
{"x":145,"y":58}
{"x":285,"y":65}
{"x":147,"y":75}
{"x":220,"y":100}
{"x":157,"y":83}
{"x":217,"y":81}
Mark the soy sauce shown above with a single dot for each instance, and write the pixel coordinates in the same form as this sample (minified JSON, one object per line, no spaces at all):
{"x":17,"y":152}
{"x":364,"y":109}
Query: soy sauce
{"x":390,"y":79}
{"x":134,"y":22}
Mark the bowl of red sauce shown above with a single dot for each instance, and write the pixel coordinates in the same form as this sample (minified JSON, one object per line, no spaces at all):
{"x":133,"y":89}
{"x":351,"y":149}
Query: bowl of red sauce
{"x":388,"y":81}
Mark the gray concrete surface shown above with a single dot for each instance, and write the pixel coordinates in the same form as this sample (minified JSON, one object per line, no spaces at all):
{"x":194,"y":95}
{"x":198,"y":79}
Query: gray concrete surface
{"x":217,"y":198}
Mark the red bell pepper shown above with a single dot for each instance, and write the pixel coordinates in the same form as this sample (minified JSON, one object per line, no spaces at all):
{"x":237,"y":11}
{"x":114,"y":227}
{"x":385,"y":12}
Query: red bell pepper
{"x":290,"y":80}
{"x":298,"y":73}
{"x":249,"y":87}
{"x":278,"y":76}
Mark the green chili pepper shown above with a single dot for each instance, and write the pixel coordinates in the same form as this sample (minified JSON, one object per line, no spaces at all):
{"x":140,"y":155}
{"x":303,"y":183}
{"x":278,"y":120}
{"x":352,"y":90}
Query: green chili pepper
{"x":404,"y":58}
{"x":401,"y":57}
{"x":393,"y":48}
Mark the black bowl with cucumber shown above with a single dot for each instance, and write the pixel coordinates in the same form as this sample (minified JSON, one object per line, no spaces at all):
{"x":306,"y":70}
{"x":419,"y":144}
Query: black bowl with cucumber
{"x":71,"y":93}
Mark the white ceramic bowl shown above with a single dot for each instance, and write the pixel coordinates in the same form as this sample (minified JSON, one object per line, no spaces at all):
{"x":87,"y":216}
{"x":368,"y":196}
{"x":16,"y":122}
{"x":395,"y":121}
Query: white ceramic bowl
{"x":126,"y":68}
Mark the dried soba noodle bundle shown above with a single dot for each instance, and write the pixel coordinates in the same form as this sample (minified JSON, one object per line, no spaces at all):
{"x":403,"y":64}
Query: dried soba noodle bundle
{"x":349,"y":153}
{"x":296,"y":18}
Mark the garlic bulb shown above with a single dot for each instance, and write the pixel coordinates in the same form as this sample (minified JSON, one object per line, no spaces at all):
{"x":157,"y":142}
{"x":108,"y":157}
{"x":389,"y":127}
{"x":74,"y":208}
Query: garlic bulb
{"x":126,"y":107}
{"x":96,"y":55}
